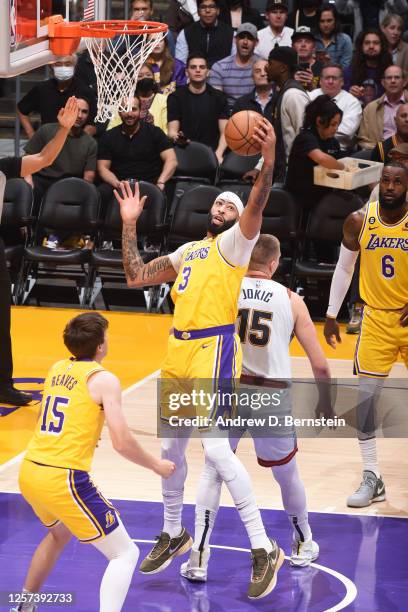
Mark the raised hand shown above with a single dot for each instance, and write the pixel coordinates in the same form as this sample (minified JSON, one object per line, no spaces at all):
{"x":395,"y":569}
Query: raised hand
{"x":264,"y":134}
{"x":131,"y":204}
{"x":68,"y":115}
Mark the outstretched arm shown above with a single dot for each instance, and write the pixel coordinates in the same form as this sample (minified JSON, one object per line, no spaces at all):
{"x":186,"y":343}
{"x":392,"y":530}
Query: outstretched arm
{"x":343,"y":274}
{"x":66,"y":119}
{"x":139,"y":274}
{"x":251,"y":219}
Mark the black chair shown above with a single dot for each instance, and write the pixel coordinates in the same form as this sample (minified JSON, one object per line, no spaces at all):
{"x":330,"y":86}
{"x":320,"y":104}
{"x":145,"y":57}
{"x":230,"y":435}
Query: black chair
{"x":190,"y":217}
{"x":196,"y":162}
{"x":235,"y":166}
{"x":106,"y":265}
{"x":325,"y":222}
{"x":16,"y":222}
{"x":70,"y":207}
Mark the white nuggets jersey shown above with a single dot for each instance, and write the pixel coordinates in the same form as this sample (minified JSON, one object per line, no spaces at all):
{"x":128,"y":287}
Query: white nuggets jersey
{"x":265,"y":326}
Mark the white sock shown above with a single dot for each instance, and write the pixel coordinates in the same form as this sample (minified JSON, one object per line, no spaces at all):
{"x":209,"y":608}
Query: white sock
{"x":368,"y":449}
{"x":174,"y":449}
{"x":218,"y":452}
{"x":293,"y":498}
{"x":207,"y":504}
{"x":123,"y":554}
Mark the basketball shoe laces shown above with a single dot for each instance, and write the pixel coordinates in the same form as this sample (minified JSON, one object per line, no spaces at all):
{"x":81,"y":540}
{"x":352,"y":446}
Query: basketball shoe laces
{"x":368,"y":481}
{"x":162,"y":543}
{"x":259,"y":561}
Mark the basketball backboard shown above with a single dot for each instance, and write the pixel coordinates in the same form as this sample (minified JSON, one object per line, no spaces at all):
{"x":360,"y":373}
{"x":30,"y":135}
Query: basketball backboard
{"x":23,"y":30}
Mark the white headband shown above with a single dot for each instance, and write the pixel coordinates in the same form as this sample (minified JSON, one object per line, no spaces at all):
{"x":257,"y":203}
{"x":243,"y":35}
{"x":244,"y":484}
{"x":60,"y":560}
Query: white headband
{"x":232,"y":197}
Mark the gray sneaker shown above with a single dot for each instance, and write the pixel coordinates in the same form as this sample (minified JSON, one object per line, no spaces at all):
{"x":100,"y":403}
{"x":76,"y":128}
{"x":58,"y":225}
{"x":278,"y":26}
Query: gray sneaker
{"x":371,"y":489}
{"x":265,"y":567}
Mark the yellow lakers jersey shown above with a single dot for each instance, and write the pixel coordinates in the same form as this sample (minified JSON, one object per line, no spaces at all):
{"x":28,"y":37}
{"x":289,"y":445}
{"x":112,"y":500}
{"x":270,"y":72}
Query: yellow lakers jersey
{"x":384,"y":261}
{"x":207,"y":286}
{"x":70,"y":423}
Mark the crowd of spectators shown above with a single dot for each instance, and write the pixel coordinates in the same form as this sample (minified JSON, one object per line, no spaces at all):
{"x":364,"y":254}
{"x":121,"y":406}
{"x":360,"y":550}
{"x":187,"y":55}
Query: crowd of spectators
{"x":330,"y":76}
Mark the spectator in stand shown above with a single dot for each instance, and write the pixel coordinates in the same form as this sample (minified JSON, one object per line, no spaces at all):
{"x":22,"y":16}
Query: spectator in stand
{"x":382,"y":149}
{"x":137,"y":150}
{"x":288,"y":109}
{"x":378,"y":121}
{"x":276,"y":32}
{"x":180,"y":14}
{"x":331,"y":83}
{"x":233,"y":74}
{"x":309,"y":69}
{"x":370,"y":60}
{"x":392,"y":27}
{"x":76,"y":158}
{"x":48,"y":97}
{"x":315,"y":145}
{"x":142,"y":10}
{"x":168,"y":71}
{"x":85,"y":70}
{"x":305,"y":14}
{"x":209,"y":36}
{"x":331,"y":41}
{"x":153,"y":105}
{"x":198,"y":111}
{"x":236,"y":12}
{"x":260,"y":99}
{"x":368,"y":13}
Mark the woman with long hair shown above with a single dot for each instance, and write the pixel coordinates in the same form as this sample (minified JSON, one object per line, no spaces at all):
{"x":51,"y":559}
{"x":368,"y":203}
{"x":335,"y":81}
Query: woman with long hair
{"x":236,"y":12}
{"x":331,"y":43}
{"x":168,"y":71}
{"x":392,"y":27}
{"x":370,"y":60}
{"x":314,"y":145}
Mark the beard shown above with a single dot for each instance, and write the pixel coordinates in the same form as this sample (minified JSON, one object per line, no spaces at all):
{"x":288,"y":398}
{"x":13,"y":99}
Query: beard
{"x":218,"y":229}
{"x":395,"y":204}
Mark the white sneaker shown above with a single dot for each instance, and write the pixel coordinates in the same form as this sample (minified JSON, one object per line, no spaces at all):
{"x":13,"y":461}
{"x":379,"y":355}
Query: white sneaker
{"x":303,"y":553}
{"x":195,"y":569}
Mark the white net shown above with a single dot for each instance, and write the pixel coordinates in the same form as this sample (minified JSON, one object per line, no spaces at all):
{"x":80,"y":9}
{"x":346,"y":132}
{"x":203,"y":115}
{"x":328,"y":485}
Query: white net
{"x":117,"y":62}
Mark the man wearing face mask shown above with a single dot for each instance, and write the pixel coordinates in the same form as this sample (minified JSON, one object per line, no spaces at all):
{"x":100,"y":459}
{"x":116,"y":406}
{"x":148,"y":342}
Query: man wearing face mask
{"x":48,"y":97}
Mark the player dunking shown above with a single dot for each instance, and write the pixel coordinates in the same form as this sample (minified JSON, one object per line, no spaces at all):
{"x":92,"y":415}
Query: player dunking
{"x":268,"y":315}
{"x":207,"y":276}
{"x":54,"y":476}
{"x":380,"y":235}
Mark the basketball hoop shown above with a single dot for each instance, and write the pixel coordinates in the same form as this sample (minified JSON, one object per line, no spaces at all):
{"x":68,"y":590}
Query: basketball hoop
{"x":117,"y":49}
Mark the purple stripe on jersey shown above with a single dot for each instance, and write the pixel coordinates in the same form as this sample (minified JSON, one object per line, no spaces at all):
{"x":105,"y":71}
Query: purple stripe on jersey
{"x":102,"y":515}
{"x":225,"y":383}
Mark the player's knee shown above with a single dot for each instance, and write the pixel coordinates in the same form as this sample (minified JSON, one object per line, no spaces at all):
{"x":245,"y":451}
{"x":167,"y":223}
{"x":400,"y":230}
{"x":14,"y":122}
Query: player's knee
{"x":223,"y":460}
{"x":60,"y":535}
{"x":131,"y":555}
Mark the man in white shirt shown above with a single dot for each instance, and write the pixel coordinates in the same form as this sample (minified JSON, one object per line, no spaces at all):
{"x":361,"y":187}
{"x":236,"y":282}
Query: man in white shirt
{"x":331,"y":83}
{"x":276,"y":33}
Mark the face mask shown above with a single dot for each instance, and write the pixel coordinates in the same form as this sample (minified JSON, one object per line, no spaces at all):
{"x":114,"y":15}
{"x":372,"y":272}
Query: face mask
{"x":63,"y":73}
{"x":145,"y":85}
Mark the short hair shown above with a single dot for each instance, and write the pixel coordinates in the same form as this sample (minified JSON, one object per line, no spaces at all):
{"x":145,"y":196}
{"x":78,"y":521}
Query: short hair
{"x":84,"y":333}
{"x":150,"y":2}
{"x":196,"y":56}
{"x":63,"y":58}
{"x":267,"y":247}
{"x":392,"y":17}
{"x":85,"y":99}
{"x":333,"y":65}
{"x":396,"y":165}
{"x":216,"y":2}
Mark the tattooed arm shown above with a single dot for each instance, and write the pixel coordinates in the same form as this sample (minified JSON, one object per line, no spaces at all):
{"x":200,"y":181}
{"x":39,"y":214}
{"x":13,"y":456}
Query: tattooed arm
{"x":139,"y":274}
{"x":251,"y":219}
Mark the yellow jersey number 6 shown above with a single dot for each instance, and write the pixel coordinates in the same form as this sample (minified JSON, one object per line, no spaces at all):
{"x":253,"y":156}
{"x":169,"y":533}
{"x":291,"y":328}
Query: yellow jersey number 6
{"x":55,"y":423}
{"x":186,"y":277}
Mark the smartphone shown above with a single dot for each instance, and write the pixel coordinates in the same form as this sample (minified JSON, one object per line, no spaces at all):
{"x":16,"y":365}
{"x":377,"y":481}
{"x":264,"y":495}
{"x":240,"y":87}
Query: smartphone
{"x":303,"y":66}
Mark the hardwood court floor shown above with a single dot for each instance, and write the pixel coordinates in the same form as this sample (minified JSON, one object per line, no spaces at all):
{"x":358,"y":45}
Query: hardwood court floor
{"x":330,"y":467}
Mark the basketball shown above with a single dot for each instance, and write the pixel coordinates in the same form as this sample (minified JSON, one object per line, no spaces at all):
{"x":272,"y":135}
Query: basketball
{"x":239,"y":131}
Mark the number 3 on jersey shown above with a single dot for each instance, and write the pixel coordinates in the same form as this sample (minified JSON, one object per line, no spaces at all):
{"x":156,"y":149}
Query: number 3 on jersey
{"x":53,"y":420}
{"x":186,"y":277}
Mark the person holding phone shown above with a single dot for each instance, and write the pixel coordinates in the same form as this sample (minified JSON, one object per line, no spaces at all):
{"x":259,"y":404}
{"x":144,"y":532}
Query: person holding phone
{"x":309,"y":69}
{"x":330,"y":39}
